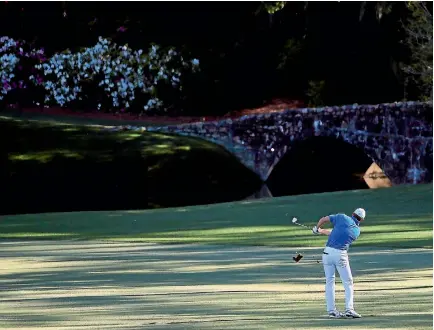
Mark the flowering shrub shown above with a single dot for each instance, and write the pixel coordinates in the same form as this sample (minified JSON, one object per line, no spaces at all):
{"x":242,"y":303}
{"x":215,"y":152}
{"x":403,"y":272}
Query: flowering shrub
{"x":115,"y":74}
{"x":17,"y":59}
{"x":105,"y":76}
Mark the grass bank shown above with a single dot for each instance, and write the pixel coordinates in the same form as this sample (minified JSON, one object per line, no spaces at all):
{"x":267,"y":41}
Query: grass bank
{"x":396,"y":217}
{"x":47,"y":166}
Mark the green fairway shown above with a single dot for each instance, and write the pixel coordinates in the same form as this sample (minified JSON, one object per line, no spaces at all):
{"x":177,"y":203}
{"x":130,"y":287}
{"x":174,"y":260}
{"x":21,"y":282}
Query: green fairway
{"x":43,"y":141}
{"x":396,"y":217}
{"x":119,"y":285}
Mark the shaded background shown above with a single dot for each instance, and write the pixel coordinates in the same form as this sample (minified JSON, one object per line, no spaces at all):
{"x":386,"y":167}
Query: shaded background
{"x":248,"y":58}
{"x":243,"y":50}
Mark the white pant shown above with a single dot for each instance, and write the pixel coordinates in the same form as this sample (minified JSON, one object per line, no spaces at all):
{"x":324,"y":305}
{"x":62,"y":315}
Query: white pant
{"x":337,"y":259}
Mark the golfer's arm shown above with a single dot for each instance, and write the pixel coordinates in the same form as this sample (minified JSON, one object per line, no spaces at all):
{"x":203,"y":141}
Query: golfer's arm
{"x":321,"y":223}
{"x":324,"y":231}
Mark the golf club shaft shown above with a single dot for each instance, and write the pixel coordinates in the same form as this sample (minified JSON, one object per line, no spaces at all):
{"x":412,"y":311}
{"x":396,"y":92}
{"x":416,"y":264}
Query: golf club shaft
{"x":299,"y":224}
{"x":295,"y":222}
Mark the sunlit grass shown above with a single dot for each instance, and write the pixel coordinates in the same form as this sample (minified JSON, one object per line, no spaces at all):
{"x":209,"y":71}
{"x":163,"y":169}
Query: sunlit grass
{"x":69,"y":140}
{"x":84,"y":285}
{"x":37,"y":235}
{"x":45,"y":156}
{"x":396,"y":217}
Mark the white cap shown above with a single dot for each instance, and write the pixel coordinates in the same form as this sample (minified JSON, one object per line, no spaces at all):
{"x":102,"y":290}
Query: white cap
{"x":361,"y":213}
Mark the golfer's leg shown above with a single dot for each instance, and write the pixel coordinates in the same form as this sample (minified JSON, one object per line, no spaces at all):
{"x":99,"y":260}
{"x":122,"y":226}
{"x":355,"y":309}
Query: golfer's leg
{"x":344,"y":270}
{"x":329,"y":270}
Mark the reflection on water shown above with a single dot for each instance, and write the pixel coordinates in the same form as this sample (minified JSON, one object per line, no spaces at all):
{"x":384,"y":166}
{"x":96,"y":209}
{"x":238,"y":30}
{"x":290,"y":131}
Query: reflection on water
{"x":264,"y":192}
{"x":173,"y":198}
{"x":373,"y":178}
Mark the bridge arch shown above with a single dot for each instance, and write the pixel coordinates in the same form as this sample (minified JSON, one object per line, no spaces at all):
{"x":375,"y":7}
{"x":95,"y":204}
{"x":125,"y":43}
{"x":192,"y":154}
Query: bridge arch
{"x":319,"y":164}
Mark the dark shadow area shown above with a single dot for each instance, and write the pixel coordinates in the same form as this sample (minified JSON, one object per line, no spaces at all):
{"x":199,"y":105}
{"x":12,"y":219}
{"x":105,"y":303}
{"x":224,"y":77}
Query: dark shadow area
{"x":48,"y":168}
{"x":319,"y":164}
{"x":201,"y":177}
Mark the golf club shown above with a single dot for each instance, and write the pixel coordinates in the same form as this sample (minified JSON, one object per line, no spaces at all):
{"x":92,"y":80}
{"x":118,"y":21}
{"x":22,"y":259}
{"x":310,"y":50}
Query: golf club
{"x":299,"y":256}
{"x":295,"y":222}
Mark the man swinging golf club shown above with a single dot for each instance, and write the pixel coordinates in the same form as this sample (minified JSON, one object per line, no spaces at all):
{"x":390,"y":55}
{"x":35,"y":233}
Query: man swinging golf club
{"x":335,"y":256}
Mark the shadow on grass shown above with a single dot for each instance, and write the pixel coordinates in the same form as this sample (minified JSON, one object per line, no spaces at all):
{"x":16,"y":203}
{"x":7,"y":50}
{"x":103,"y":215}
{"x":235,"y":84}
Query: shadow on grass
{"x":60,"y":283}
{"x":51,"y":167}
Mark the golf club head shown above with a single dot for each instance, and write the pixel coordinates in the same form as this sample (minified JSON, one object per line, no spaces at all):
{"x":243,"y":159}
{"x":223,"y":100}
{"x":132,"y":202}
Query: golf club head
{"x":297,"y":258}
{"x":295,"y":222}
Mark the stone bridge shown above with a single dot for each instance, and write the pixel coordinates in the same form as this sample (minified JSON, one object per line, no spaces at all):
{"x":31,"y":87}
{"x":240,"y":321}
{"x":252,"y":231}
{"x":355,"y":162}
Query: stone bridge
{"x":397,"y":136}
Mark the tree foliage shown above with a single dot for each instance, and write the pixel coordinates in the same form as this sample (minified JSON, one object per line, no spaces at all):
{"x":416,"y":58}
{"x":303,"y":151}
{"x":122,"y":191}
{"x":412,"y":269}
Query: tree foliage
{"x":291,"y":49}
{"x":274,"y":6}
{"x":380,"y":8}
{"x":315,"y":93}
{"x":106,"y":76}
{"x":419,"y":39}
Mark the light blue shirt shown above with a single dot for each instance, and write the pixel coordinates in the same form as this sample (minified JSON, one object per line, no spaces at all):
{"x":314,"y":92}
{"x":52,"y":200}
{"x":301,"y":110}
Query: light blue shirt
{"x":345,"y":231}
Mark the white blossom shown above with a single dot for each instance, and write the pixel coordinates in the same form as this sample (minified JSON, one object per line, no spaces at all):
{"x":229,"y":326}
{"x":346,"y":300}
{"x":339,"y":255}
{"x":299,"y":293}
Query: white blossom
{"x":119,"y":71}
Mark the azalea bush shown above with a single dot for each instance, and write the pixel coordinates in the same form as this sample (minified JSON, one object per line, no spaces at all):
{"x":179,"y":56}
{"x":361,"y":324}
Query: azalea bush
{"x":17,"y":59}
{"x":106,"y":76}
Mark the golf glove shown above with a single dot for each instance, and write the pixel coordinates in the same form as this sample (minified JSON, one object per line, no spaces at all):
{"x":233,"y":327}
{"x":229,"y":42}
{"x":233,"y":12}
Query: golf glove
{"x":315,"y":230}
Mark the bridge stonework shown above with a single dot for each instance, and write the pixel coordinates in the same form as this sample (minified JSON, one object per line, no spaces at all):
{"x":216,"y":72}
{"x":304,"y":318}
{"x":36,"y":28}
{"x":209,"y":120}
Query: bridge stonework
{"x":396,"y":136}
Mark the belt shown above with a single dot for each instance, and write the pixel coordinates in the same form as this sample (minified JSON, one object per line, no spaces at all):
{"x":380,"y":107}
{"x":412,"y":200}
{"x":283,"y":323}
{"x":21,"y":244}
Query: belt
{"x":334,"y":249}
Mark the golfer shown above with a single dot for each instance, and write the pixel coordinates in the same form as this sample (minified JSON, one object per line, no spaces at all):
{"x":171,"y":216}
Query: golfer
{"x":335,"y":256}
